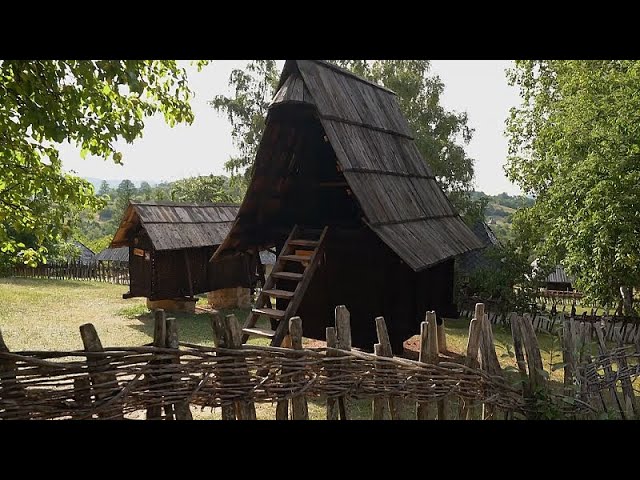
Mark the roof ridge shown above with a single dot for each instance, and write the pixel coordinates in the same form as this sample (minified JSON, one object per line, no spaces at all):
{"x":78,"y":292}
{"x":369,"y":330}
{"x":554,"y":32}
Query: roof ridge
{"x":168,"y":203}
{"x":349,"y":73}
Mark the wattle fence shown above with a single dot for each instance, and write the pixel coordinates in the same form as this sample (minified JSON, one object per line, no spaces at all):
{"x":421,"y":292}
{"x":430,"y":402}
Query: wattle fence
{"x":99,"y":271}
{"x":168,"y":378}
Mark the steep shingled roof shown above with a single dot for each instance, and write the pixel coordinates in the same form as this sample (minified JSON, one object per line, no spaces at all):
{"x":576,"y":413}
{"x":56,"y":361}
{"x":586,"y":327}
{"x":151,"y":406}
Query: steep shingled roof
{"x":395,"y":187}
{"x":174,"y":225}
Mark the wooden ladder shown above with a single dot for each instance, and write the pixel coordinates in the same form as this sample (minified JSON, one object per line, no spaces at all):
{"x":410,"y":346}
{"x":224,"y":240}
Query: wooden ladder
{"x":298,"y":248}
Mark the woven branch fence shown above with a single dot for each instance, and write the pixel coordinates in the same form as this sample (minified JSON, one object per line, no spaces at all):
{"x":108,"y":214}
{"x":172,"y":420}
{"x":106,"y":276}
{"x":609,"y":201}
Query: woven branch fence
{"x":168,"y":377}
{"x":98,"y":271}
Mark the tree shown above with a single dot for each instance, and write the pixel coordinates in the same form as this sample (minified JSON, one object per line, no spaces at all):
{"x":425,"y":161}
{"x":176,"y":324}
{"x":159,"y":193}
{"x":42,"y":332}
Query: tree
{"x":145,"y":191}
{"x":124,"y":194}
{"x":105,"y":189}
{"x":247,"y":109}
{"x":91,"y":104}
{"x":210,"y":188}
{"x":575,"y":145}
{"x":440,"y":135}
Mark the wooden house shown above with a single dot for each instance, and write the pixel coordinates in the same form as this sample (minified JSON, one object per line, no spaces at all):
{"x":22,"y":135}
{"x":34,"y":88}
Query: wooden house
{"x":118,"y":256}
{"x":170,"y":245}
{"x":478,"y":259}
{"x":559,"y":280}
{"x":341,"y":191}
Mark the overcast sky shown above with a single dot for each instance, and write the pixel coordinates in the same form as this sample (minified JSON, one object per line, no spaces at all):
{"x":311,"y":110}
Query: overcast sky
{"x":478,"y":87}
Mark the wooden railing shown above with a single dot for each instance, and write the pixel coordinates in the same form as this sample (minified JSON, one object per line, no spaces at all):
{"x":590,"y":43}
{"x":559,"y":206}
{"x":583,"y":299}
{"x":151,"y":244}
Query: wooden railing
{"x":111,"y":272}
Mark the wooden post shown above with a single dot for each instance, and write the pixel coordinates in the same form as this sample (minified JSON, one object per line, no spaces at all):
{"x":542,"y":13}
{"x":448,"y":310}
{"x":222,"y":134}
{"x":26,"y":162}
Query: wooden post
{"x":245,"y":410}
{"x":332,"y":403}
{"x":343,"y":330}
{"x":105,"y":384}
{"x":379,"y":404}
{"x":9,"y":386}
{"x":472,"y":351}
{"x":299,"y":402}
{"x":433,"y":357}
{"x":608,"y":371}
{"x":569,"y":351}
{"x":154,"y":411}
{"x":282,"y":407}
{"x":82,"y":396}
{"x":180,"y":409}
{"x":630,"y":404}
{"x":422,"y":408}
{"x":385,"y":351}
{"x":442,"y":338}
{"x":220,"y":341}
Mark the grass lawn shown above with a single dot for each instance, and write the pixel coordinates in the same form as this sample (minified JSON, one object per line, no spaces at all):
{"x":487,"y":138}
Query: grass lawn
{"x":38,"y":314}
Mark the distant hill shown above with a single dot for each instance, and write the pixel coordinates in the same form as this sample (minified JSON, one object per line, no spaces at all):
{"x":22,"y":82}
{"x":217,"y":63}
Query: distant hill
{"x":500,"y":209}
{"x":114,"y":183}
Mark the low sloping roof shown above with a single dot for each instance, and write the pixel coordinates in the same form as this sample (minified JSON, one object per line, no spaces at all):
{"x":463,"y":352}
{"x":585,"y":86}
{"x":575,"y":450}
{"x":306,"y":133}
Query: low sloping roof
{"x":559,"y":276}
{"x":395,"y":187}
{"x":175,"y":225}
{"x":86,"y":254}
{"x":120,"y":254}
{"x":475,"y":259}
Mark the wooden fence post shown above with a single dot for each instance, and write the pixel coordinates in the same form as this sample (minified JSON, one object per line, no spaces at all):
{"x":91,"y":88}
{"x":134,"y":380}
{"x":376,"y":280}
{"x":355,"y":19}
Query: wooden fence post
{"x":154,"y":411}
{"x":245,"y":409}
{"x":422,"y":408}
{"x":10,"y":389}
{"x":105,"y":384}
{"x":442,"y":338}
{"x":299,"y":406}
{"x":608,"y":371}
{"x":343,"y":330}
{"x":332,"y":403}
{"x":282,"y":406}
{"x":180,"y":409}
{"x":630,"y":404}
{"x":82,"y":396}
{"x":220,"y":341}
{"x":385,"y":351}
{"x":433,"y":357}
{"x":472,"y":351}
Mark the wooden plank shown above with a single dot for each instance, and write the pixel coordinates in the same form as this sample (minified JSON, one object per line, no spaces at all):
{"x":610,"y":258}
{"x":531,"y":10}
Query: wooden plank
{"x":395,"y":406}
{"x":304,"y":243}
{"x":295,"y":258}
{"x":278,"y":293}
{"x":259,"y":332}
{"x":82,"y":397}
{"x":433,"y":357}
{"x":269,"y":312}
{"x":287,"y":276}
{"x":180,"y":409}
{"x":105,"y":384}
{"x":442,"y":338}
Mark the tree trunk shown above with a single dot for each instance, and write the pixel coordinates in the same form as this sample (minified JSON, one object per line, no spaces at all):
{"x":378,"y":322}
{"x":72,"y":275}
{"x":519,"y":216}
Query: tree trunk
{"x":627,"y":300}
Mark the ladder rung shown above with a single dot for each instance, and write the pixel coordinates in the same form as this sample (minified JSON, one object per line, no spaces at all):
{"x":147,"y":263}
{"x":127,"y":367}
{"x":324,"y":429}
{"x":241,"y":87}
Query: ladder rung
{"x":278,"y":293}
{"x":269,"y":312}
{"x":304,"y":243}
{"x":296,"y":258}
{"x":259,"y":332}
{"x":288,"y":275}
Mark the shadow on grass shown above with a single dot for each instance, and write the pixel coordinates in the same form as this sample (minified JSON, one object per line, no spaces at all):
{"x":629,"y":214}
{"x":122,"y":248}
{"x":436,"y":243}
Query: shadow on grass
{"x":50,"y":283}
{"x":192,"y":328}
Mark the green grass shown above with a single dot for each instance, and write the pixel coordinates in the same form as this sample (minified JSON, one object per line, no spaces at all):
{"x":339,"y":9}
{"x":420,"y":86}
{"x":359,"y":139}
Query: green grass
{"x":39,"y":314}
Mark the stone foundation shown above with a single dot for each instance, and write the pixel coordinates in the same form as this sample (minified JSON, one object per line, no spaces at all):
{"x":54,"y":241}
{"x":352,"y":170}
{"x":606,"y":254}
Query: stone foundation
{"x":173,"y":305}
{"x":236,"y":297}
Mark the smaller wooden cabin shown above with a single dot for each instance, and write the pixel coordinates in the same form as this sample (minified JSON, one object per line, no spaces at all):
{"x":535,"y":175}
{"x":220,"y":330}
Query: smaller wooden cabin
{"x":559,"y":280}
{"x":170,"y":244}
{"x":118,"y":256}
{"x":473,"y":260}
